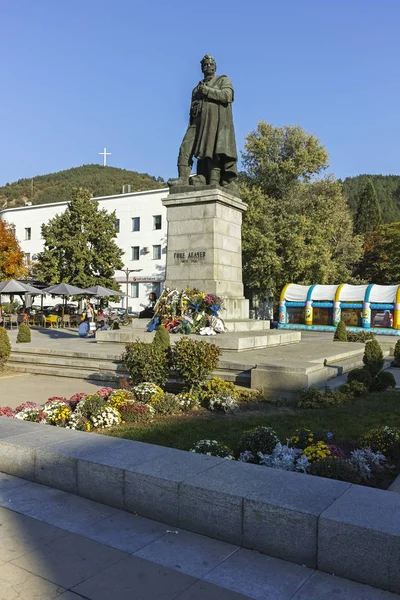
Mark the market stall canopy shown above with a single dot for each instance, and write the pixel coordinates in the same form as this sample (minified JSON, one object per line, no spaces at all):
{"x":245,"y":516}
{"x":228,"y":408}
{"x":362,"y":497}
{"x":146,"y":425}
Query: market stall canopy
{"x":64,"y":289}
{"x":101,"y":292}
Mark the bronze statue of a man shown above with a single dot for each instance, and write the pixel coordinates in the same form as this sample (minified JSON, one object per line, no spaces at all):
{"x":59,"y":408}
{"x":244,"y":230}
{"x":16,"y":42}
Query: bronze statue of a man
{"x":210,"y":136}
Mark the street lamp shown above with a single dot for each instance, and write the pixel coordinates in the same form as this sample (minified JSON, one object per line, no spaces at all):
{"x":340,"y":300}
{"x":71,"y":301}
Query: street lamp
{"x":127,"y":273}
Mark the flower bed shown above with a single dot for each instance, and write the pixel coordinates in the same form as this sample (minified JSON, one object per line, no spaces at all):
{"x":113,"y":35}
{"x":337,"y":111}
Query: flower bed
{"x":306,"y":452}
{"x":105,"y":408}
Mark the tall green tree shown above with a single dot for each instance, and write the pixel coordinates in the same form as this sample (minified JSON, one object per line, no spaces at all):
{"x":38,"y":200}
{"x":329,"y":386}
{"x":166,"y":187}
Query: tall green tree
{"x":79,"y":246}
{"x":276,"y":158}
{"x":259,"y":247}
{"x":381,"y":261}
{"x":314,"y":235}
{"x":369,"y":216}
{"x":297,"y":229}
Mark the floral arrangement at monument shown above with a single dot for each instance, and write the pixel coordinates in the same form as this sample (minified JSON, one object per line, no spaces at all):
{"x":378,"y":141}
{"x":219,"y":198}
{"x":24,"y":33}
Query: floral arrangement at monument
{"x":188,"y":311}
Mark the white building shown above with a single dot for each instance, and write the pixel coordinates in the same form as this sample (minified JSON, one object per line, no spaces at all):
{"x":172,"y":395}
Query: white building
{"x":142,"y":235}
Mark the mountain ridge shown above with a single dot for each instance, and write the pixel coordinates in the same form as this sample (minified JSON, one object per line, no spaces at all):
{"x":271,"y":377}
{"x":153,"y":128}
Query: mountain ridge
{"x":56,"y":187}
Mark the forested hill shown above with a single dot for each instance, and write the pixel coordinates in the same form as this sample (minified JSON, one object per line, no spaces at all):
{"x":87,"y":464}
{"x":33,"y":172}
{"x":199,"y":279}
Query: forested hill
{"x":56,"y":187}
{"x":388,"y":191}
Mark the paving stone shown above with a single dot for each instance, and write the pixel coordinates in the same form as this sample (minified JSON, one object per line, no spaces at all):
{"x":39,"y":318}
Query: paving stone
{"x":208,"y":591}
{"x":260,"y":577}
{"x":125,"y":531}
{"x":18,"y":584}
{"x":152,"y":488}
{"x":322,"y":586}
{"x":69,"y":560}
{"x":135,"y":578}
{"x":7,"y":482}
{"x":359,"y":537}
{"x":20,"y":534}
{"x":187,"y":552}
{"x":54,"y":506}
{"x":101,"y":474}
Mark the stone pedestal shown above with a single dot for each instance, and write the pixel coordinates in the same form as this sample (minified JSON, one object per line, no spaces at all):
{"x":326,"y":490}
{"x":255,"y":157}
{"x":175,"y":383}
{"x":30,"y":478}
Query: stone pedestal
{"x":204,"y":248}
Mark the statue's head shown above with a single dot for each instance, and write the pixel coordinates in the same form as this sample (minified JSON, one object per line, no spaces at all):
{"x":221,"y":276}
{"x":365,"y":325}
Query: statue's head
{"x":208,"y":65}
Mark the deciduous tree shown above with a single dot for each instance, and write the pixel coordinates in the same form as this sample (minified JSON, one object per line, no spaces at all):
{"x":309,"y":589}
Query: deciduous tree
{"x":79,"y":246}
{"x":11,"y":255}
{"x":276,"y":158}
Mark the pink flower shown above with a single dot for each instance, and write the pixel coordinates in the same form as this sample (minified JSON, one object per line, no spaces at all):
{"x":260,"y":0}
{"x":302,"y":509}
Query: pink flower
{"x":26,"y":405}
{"x":75,"y":399}
{"x":104,"y":392}
{"x":56,"y":399}
{"x":6,"y":411}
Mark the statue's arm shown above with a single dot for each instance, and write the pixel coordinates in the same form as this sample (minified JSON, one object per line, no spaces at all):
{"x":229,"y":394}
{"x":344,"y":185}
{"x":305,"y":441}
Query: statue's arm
{"x":224,"y":95}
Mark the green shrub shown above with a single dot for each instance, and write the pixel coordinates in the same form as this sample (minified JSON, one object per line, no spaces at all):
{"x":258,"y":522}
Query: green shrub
{"x":216,"y":387}
{"x":359,"y":336}
{"x":340,"y":334}
{"x":335,"y":468}
{"x":5,"y":347}
{"x":24,"y":334}
{"x":249,"y":396}
{"x":194,"y":360}
{"x":310,"y":398}
{"x":90,"y":406}
{"x":373,"y":357}
{"x":396,"y":362}
{"x":353,"y":389}
{"x":383,"y":381}
{"x":382,"y":439}
{"x":166,"y":404}
{"x":260,"y":439}
{"x":362,"y":375}
{"x":162,"y":338}
{"x":146,"y":362}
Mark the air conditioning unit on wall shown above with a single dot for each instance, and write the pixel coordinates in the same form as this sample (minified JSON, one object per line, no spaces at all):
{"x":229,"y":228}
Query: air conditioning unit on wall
{"x":146,"y":250}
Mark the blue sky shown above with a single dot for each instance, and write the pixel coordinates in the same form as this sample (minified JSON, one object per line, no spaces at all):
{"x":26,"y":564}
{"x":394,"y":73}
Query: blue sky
{"x":78,"y":75}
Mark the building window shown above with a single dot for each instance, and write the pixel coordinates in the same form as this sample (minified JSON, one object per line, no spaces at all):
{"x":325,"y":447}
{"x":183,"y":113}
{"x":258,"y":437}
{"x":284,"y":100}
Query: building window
{"x":135,"y":253}
{"x":134,"y":290}
{"x":27,"y":257}
{"x":156,"y":252}
{"x":157,"y":222}
{"x":117,"y":225}
{"x":28,"y":233}
{"x":135,"y":223}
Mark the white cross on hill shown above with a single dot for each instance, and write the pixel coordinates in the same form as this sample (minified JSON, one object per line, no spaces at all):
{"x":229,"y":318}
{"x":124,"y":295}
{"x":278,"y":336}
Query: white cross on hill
{"x":104,"y":155}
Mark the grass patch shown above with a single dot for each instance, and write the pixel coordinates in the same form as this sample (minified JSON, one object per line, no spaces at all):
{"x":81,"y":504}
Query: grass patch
{"x":346,"y":422}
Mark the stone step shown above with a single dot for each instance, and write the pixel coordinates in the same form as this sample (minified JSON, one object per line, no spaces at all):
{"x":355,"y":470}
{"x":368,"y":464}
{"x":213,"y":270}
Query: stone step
{"x":67,"y":361}
{"x":237,"y":341}
{"x":59,"y":371}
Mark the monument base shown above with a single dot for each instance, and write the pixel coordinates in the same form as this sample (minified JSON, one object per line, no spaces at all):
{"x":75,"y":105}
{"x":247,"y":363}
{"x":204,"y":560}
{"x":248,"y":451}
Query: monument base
{"x":204,"y":248}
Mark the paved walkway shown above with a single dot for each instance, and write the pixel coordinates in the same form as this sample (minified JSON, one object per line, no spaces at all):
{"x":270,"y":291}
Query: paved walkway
{"x":57,"y":545}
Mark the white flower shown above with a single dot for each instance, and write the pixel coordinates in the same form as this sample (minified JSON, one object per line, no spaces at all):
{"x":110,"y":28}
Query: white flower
{"x":365,"y":461}
{"x":285,"y":458}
